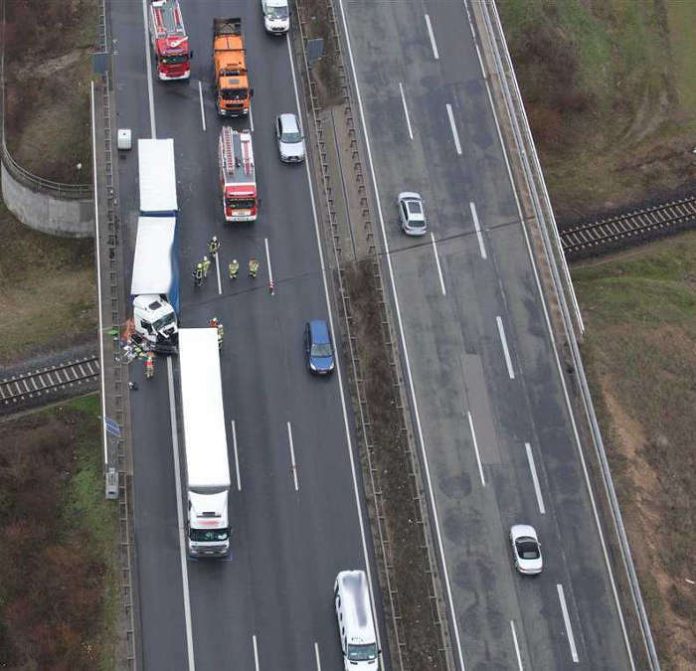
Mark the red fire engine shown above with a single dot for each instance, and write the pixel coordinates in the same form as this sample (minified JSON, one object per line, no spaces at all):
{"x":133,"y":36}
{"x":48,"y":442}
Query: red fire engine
{"x":237,"y":175}
{"x":169,"y":40}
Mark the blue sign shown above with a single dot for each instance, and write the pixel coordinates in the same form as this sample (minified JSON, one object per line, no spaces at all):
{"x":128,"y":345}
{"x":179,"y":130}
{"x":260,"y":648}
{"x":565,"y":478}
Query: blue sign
{"x":112,"y":427}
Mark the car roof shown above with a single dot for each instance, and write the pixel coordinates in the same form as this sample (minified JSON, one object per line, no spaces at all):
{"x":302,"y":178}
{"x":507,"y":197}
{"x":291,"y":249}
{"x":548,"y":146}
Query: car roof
{"x":320,"y":330}
{"x":289,"y":122}
{"x":277,"y":3}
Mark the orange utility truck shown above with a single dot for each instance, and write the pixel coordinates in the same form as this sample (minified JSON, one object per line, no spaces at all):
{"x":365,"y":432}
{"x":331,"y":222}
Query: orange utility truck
{"x":229,"y":59}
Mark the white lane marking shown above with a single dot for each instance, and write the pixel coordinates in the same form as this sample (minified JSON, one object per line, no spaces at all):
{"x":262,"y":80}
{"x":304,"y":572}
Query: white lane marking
{"x":236,"y":455}
{"x":316,"y":655}
{"x":408,"y":119}
{"x":200,"y":98}
{"x":506,"y":351}
{"x":439,"y":268}
{"x":256,"y":653}
{"x":478,"y":456}
{"x":402,"y":335}
{"x":217,"y":272}
{"x":517,"y":646}
{"x":180,"y":515}
{"x":357,"y":492}
{"x":535,"y":478}
{"x":271,"y":286}
{"x":479,"y":234}
{"x":251,"y":119}
{"x":431,"y":35}
{"x":148,"y":62}
{"x":566,"y":620}
{"x":455,"y":134}
{"x":552,"y":338}
{"x":292,"y":458}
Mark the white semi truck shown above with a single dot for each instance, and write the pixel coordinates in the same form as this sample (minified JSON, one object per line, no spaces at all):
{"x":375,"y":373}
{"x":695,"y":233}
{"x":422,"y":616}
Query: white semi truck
{"x":205,"y":438}
{"x":155,"y":283}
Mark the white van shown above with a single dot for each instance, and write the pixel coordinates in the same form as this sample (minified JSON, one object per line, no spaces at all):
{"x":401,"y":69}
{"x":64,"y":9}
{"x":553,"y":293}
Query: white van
{"x":355,"y":624}
{"x":276,"y":16}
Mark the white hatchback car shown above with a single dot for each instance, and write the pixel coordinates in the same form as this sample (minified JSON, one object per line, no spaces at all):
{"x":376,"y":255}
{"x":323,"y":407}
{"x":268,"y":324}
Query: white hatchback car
{"x":276,"y":16}
{"x":526,"y":549}
{"x":411,"y":213}
{"x":291,"y":145}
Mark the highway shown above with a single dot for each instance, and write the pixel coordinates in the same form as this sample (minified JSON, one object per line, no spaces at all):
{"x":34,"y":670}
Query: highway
{"x":296,"y":515}
{"x":488,"y":396}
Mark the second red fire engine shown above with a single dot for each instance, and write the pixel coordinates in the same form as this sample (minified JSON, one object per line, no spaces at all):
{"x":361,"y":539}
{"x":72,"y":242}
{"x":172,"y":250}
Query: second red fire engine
{"x":170,"y":43}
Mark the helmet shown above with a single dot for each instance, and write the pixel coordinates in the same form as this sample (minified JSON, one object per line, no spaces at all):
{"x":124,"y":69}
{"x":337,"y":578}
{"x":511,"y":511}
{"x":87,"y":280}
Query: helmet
{"x":199,"y":265}
{"x":205,"y":258}
{"x":215,"y":238}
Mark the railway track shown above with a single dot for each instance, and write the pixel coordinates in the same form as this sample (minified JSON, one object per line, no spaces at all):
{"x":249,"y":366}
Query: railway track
{"x":27,"y":388}
{"x":623,"y":230}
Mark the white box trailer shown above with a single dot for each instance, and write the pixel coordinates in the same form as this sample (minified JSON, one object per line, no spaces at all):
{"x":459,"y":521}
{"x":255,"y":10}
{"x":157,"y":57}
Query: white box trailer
{"x":157,"y":177}
{"x":205,"y":440}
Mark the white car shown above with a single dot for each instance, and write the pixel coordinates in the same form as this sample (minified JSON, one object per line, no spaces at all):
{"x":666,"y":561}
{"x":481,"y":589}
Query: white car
{"x":526,"y":549}
{"x":276,"y":16}
{"x":291,"y":145}
{"x":411,"y":213}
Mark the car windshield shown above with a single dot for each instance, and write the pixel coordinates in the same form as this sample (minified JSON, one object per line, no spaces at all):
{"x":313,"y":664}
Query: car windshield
{"x":208,"y":535}
{"x":527,"y":548}
{"x":362,"y":653}
{"x":321,"y":350}
{"x":277,"y":12}
{"x":292,"y":138}
{"x":163,"y":322}
{"x":240,"y":204}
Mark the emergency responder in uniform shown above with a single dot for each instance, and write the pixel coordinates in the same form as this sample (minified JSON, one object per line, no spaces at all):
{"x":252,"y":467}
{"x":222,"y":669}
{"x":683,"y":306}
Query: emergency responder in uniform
{"x":198,"y":274}
{"x":214,"y":323}
{"x":253,"y":267}
{"x":233,"y":269}
{"x":150,"y":365}
{"x":214,"y":246}
{"x":206,"y":266}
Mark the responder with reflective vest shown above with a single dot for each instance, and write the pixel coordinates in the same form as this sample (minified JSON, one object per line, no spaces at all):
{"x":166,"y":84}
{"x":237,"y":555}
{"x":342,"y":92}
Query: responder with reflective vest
{"x":253,"y":267}
{"x":214,"y":246}
{"x":233,"y":269}
{"x":206,"y":266}
{"x":198,"y":273}
{"x":150,"y":365}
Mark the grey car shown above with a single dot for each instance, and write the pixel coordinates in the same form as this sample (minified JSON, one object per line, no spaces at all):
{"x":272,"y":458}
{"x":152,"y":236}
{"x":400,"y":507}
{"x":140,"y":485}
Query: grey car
{"x":291,"y":145}
{"x":411,"y":213}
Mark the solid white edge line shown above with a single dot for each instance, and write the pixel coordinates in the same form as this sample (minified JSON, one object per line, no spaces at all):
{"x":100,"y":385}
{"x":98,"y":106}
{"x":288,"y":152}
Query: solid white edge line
{"x":431,"y":35}
{"x":402,"y":336}
{"x":477,"y":227}
{"x":233,"y":426}
{"x":180,"y":514}
{"x":517,"y":646}
{"x":506,"y":351}
{"x":200,"y":98}
{"x":403,"y":102}
{"x":535,"y":478}
{"x":268,"y":261}
{"x":102,"y":378}
{"x":476,"y":450}
{"x":566,"y":620}
{"x":552,"y":338}
{"x":346,"y":422}
{"x":256,"y":652}
{"x":148,"y":61}
{"x":292,"y":458}
{"x":316,"y":656}
{"x":217,"y":272}
{"x":251,"y":118}
{"x":439,"y":268}
{"x":453,"y":127}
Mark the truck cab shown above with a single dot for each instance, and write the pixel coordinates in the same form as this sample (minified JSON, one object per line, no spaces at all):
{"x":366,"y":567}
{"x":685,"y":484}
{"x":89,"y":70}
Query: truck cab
{"x":209,"y":527}
{"x":155,"y":321}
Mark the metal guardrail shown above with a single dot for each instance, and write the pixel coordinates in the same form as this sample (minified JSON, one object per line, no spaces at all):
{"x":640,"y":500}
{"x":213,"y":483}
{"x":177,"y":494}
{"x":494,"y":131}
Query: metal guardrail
{"x":551,"y":241}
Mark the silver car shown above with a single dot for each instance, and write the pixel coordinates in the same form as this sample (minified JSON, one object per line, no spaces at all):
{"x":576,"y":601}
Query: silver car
{"x":291,"y":145}
{"x":411,"y":213}
{"x":526,"y":549}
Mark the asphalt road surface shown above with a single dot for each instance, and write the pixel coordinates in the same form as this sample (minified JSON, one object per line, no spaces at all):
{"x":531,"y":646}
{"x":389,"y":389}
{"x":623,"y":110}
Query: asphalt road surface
{"x":294,"y":508}
{"x":490,"y":407}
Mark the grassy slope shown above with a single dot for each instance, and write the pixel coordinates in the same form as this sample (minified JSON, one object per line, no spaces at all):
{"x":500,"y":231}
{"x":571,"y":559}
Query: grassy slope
{"x":640,"y":311}
{"x":47,"y":289}
{"x":610,"y":90}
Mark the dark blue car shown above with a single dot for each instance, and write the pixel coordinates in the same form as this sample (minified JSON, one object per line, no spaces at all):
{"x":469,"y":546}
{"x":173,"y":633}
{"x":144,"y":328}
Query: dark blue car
{"x":318,"y":347}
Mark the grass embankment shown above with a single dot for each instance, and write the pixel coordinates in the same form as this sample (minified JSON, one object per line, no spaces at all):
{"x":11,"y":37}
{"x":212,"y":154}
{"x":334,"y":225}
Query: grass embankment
{"x":58,"y":543}
{"x":48,"y":65}
{"x":640,"y":310}
{"x":47,"y":292}
{"x":610,"y":89}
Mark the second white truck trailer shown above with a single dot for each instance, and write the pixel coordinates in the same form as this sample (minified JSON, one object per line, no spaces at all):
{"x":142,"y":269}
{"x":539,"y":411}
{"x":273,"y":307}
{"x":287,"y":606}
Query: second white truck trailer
{"x":205,"y":437}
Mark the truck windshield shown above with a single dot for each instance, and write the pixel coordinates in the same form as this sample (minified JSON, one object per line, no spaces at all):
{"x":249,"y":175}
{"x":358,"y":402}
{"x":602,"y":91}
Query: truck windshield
{"x":234,"y":94}
{"x":163,"y":322}
{"x":208,"y":535}
{"x":240,"y":204}
{"x":277,"y":12}
{"x":362,"y":653}
{"x":173,"y":60}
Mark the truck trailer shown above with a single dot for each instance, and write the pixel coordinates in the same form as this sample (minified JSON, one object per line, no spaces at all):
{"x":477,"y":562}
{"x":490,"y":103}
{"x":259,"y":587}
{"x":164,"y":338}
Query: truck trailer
{"x":155,"y":283}
{"x":229,"y":61}
{"x":157,"y":178}
{"x":205,"y":442}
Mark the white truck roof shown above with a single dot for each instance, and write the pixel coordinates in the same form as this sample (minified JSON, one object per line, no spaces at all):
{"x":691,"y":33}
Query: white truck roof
{"x":152,"y":262}
{"x":357,"y":609}
{"x":205,"y":437}
{"x":157,"y":177}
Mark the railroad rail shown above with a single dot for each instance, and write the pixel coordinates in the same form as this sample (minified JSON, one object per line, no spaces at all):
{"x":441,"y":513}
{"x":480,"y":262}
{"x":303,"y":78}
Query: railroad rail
{"x":624,"y":230}
{"x":25,"y":388}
